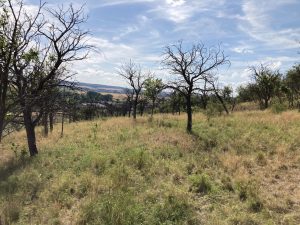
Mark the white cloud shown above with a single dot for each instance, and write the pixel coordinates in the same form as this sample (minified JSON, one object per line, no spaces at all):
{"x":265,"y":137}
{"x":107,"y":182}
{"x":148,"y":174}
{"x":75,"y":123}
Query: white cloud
{"x":126,"y":31}
{"x":257,"y":23}
{"x":175,"y":2}
{"x":180,"y":11}
{"x":243,"y":49}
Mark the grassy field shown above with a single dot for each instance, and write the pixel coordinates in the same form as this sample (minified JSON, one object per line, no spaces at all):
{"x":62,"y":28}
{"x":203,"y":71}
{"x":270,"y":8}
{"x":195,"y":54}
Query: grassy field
{"x":243,"y":169}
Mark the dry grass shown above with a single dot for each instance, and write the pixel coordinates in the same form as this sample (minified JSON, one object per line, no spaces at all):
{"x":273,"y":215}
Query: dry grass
{"x":240,"y":169}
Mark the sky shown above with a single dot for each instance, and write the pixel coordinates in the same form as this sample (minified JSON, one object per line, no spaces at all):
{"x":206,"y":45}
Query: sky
{"x":249,"y":31}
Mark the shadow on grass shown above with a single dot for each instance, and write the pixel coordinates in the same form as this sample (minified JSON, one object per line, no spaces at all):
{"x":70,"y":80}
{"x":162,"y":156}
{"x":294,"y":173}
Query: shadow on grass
{"x":13,"y":165}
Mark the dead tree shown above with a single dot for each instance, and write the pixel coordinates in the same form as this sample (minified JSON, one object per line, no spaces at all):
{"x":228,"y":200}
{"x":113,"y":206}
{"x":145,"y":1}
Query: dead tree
{"x":133,"y":74}
{"x":190,"y":68}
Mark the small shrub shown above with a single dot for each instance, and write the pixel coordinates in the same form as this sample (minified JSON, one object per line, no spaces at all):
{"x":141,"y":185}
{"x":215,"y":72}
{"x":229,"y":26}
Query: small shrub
{"x":213,"y":110}
{"x":278,"y":108}
{"x":201,"y":184}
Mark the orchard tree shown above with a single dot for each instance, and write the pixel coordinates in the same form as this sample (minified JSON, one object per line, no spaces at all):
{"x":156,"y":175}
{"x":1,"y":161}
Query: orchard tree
{"x":266,"y":83}
{"x":292,"y":81}
{"x":153,"y":87}
{"x":44,"y":47}
{"x":191,"y":67}
{"x":136,"y":78}
{"x":10,"y":21}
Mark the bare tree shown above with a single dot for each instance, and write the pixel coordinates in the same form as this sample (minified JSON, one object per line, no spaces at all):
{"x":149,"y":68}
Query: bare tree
{"x":44,"y":48}
{"x":136,"y":79}
{"x":191,"y":68}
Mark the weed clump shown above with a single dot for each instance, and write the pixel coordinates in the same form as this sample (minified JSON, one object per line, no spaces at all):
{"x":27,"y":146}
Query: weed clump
{"x":173,"y":210}
{"x":255,"y":204}
{"x":201,"y":184}
{"x":261,"y":159}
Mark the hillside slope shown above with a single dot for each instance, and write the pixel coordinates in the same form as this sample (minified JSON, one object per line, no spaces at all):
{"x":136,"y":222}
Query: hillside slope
{"x":240,"y":169}
{"x":101,"y":88}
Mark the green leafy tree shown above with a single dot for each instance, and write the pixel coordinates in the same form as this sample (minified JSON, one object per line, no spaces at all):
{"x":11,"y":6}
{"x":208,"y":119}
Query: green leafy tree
{"x":153,"y":87}
{"x":266,"y":84}
{"x":43,"y":49}
{"x":292,"y":82}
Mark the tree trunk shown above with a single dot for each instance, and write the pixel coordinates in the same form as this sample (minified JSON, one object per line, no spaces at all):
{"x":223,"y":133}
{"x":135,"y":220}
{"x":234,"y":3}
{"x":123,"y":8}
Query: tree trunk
{"x":233,"y":105}
{"x":222,"y":102}
{"x":62,"y":124}
{"x":135,"y":103}
{"x":189,"y":114}
{"x":51,"y":118}
{"x":204,"y":102}
{"x":30,"y":132}
{"x":3,"y":96}
{"x":1,"y":123}
{"x":129,"y":112}
{"x":2,"y":110}
{"x":292,"y":100}
{"x":152,"y":110}
{"x":45,"y":124}
{"x":142,"y":108}
{"x":266,"y":103}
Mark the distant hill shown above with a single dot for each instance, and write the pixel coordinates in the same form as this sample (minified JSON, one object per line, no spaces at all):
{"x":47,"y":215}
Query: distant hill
{"x":101,"y":88}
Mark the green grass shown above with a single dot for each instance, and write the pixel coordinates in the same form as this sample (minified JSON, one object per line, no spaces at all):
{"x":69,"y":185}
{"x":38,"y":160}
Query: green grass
{"x":239,"y":169}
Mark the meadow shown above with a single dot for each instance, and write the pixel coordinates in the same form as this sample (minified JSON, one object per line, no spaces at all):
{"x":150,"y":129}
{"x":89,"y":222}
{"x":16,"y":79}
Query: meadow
{"x":241,"y":169}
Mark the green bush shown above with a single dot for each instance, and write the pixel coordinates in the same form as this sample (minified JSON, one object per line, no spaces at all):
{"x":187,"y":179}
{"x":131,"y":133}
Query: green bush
{"x":213,"y":109}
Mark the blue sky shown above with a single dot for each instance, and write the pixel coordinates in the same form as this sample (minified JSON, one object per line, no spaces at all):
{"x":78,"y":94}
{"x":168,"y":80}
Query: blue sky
{"x":250,"y":32}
